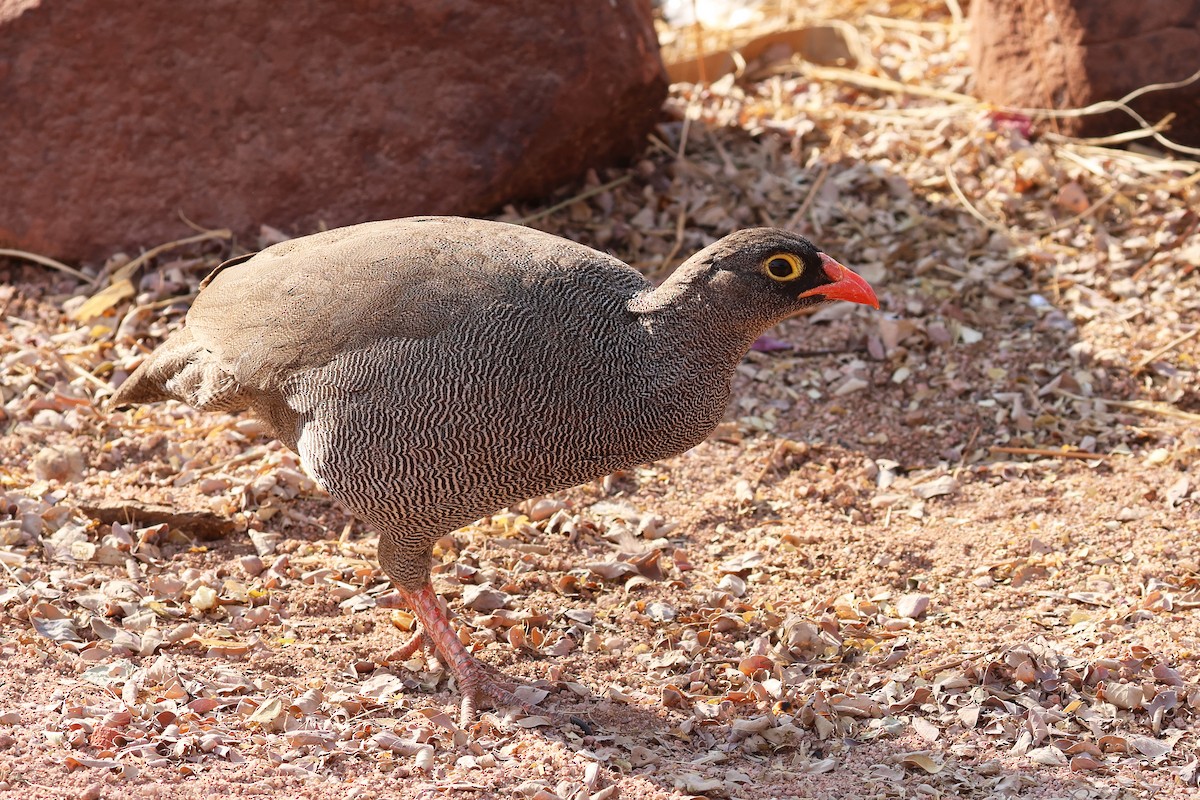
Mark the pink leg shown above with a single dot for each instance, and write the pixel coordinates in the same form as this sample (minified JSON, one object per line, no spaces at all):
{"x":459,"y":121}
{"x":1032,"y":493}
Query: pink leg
{"x":474,"y":679}
{"x":473,"y":676}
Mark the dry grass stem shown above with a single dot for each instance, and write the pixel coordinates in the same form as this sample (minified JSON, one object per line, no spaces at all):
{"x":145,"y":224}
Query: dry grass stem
{"x":581,"y":196}
{"x":1047,"y":453}
{"x":45,"y":261}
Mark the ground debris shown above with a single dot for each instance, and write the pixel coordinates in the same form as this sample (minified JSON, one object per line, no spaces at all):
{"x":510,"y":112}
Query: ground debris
{"x":943,"y":549}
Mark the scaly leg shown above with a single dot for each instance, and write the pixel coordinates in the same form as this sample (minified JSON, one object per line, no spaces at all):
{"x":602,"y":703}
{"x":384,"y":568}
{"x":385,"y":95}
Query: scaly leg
{"x":474,"y":678}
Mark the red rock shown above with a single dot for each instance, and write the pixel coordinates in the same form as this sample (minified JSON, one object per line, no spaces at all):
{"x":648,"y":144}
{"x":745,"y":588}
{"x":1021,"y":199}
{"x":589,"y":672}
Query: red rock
{"x":119,"y":116}
{"x":1072,"y":53}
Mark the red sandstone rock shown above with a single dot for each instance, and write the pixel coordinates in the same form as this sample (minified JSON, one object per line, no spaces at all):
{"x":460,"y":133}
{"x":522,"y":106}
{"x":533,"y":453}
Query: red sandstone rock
{"x":1072,"y":53}
{"x":117,"y":116}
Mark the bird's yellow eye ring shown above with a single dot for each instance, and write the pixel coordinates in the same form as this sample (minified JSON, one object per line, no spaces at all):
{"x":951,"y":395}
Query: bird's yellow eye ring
{"x":783,"y":267}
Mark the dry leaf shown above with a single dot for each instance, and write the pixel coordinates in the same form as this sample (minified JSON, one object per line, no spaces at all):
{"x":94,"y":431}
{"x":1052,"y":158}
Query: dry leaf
{"x":921,"y":761}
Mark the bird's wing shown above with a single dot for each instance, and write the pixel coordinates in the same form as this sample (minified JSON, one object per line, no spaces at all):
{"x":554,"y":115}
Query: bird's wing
{"x":299,"y":303}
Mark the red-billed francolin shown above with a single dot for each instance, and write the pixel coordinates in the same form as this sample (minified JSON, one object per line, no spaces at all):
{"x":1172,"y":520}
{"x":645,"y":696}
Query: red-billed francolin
{"x":432,"y":370}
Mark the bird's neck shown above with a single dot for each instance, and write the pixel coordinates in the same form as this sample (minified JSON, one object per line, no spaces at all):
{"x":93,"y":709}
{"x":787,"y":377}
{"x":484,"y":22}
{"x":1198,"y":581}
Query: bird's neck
{"x":700,"y":317}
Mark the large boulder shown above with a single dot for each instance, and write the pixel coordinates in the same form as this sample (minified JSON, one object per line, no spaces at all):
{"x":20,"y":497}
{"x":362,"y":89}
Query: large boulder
{"x":117,"y":117}
{"x":1072,"y":53}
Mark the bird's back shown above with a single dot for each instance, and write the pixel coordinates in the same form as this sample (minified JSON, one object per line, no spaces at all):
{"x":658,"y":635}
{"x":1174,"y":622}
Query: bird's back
{"x":296,"y":305}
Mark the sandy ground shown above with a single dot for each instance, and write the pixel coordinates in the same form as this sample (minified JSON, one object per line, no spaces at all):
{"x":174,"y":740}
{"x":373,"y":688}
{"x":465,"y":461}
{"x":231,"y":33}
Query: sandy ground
{"x":947,"y":549}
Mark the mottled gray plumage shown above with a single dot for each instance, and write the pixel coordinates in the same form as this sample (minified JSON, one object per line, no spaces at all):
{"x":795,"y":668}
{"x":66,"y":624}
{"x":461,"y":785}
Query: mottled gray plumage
{"x":432,"y":370}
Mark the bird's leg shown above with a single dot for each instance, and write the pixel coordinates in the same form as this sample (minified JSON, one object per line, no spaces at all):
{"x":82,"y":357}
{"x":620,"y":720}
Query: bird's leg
{"x":418,"y":640}
{"x":473,"y":676}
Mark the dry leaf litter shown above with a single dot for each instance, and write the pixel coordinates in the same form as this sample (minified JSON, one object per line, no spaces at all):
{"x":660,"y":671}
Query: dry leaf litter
{"x":945,"y":550}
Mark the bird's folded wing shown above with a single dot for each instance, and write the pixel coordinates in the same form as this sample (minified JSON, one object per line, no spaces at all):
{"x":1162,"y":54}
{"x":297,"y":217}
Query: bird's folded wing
{"x":298,"y":304}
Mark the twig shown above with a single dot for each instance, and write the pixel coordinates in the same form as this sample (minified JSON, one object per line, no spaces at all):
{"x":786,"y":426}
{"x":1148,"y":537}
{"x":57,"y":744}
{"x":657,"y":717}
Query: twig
{"x":934,"y":669}
{"x":835,"y":351}
{"x":167,"y":301}
{"x":1104,"y":106}
{"x":1159,"y":87}
{"x":1171,"y":345}
{"x":680,"y":222}
{"x":962,"y":462}
{"x":660,"y":144}
{"x":864,"y":81}
{"x":905,"y":115}
{"x":45,"y":261}
{"x":1141,"y":162}
{"x":1036,"y":232}
{"x":1116,"y":138}
{"x":252,"y":454}
{"x":798,"y":217}
{"x":726,"y":161}
{"x":78,"y":371}
{"x":698,"y":36}
{"x":584,"y":195}
{"x":193,"y":225}
{"x":1070,"y":155}
{"x":13,"y":574}
{"x":971,"y":209}
{"x":154,"y":252}
{"x":1087,"y":212}
{"x":949,"y":270}
{"x":956,"y":12}
{"x":906,"y":24}
{"x":684,"y":130}
{"x":1162,"y":409}
{"x":1048,"y":453}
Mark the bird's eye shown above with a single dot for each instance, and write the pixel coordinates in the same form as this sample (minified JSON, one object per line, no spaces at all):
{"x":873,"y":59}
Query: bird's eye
{"x":783,"y":267}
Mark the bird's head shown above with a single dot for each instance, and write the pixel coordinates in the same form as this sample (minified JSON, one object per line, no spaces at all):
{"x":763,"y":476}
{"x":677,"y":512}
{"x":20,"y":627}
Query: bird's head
{"x":764,"y":275}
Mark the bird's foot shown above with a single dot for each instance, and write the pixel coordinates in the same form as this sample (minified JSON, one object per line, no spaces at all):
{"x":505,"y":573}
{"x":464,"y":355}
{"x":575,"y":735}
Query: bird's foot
{"x":475,"y":679}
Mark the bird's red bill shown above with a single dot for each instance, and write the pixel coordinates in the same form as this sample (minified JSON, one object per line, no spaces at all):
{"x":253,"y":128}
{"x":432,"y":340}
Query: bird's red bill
{"x":846,"y":285}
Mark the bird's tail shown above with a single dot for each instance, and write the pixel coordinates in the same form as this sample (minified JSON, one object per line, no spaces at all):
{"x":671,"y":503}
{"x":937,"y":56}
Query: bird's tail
{"x":180,"y":369}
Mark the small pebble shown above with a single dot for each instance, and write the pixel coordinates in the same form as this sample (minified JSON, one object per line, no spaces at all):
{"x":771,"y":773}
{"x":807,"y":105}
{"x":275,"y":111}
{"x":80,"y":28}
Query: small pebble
{"x":850,"y":385}
{"x":252,"y":565}
{"x":615,"y":644}
{"x":733,"y":584}
{"x":204,"y":598}
{"x":912,"y":606}
{"x":545,"y":509}
{"x":251,"y":427}
{"x":936,"y":487}
{"x":61,"y":464}
{"x":92,"y":792}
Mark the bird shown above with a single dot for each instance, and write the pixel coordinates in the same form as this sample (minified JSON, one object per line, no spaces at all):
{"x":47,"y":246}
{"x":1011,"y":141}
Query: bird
{"x":430,"y":371}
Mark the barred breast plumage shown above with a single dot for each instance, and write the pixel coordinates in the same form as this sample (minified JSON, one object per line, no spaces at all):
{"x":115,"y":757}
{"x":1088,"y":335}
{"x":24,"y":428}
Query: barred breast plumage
{"x":432,"y":370}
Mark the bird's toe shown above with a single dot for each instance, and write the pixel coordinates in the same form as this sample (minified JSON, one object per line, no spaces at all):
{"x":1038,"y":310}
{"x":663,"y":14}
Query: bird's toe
{"x":419,"y":640}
